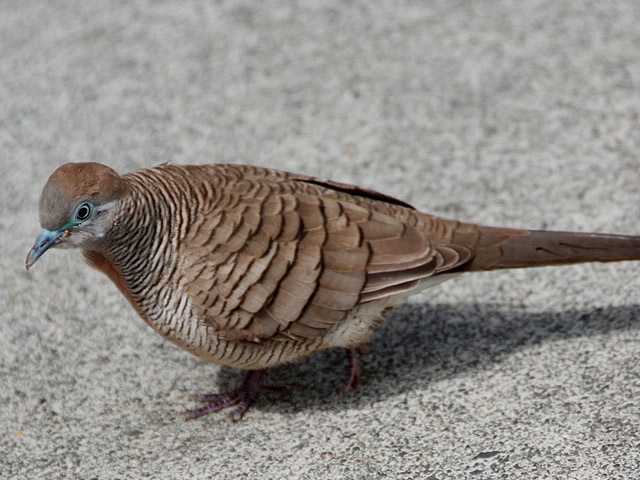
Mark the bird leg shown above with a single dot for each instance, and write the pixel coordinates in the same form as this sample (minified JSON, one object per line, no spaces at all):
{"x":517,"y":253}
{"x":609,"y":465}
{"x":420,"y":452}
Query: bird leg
{"x":353,"y":377}
{"x":242,"y":397}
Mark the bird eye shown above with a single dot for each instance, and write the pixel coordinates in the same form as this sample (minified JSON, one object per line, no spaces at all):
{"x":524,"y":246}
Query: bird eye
{"x":83,"y":211}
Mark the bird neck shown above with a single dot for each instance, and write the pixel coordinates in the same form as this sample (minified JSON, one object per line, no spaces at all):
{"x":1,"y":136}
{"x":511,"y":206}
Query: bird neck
{"x":141,"y":239}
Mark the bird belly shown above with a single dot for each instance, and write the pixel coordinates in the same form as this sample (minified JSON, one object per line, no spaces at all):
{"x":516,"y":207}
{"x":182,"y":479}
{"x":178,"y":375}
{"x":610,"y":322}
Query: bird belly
{"x":187,"y":331}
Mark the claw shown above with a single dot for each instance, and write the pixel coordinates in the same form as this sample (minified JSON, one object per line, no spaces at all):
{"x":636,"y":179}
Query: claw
{"x":242,"y":397}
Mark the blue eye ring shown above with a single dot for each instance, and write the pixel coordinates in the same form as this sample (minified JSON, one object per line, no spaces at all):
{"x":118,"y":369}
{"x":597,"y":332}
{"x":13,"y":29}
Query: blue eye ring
{"x":83,"y":211}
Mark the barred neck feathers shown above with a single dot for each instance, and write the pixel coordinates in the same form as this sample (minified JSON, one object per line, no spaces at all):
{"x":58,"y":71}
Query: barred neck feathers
{"x":153,"y":220}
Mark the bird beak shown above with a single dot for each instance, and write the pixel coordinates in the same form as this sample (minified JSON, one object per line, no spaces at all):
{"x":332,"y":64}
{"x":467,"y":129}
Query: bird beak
{"x":44,"y":242}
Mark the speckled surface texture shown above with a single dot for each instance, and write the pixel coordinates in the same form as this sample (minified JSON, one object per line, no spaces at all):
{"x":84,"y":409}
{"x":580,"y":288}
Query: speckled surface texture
{"x":523,"y":114}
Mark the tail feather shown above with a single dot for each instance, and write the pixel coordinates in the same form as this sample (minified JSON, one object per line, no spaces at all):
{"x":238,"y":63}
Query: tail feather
{"x":500,"y":248}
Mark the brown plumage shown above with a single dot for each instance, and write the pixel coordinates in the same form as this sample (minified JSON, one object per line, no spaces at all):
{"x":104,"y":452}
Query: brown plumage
{"x":253,"y":268}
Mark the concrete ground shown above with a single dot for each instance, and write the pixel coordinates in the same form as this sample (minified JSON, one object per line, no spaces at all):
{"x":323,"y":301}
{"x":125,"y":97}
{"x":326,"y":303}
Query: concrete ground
{"x":515,"y":113}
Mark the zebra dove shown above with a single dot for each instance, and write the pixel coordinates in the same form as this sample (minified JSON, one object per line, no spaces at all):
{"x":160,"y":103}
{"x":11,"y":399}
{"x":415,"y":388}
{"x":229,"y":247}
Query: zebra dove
{"x":251,"y":268}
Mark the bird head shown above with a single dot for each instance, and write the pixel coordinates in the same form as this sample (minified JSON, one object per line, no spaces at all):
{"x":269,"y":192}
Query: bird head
{"x":78,"y":206}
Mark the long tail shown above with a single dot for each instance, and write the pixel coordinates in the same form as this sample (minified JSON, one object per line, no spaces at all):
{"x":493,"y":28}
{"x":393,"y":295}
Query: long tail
{"x":497,"y":248}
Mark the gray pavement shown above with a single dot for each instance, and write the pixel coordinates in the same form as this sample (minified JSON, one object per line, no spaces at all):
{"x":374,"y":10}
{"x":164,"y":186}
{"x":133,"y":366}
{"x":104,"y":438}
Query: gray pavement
{"x":513,"y":113}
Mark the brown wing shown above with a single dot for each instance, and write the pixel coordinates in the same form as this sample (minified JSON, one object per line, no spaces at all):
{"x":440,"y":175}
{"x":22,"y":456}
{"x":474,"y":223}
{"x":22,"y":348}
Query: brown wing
{"x":291,"y":259}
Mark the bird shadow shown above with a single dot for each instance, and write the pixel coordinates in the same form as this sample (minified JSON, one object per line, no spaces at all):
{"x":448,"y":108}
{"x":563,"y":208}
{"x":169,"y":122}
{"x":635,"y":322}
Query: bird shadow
{"x":424,"y":343}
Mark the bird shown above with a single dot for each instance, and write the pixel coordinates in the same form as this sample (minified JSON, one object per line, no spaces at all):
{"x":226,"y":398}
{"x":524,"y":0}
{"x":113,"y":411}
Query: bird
{"x":252,"y":267}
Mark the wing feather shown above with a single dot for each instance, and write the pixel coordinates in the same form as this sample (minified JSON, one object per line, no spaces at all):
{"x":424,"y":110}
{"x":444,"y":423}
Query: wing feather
{"x":289,"y":258}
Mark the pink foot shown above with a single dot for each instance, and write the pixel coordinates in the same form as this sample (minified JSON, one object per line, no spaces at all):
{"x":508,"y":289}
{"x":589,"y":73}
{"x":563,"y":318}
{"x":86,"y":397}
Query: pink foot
{"x":355,"y":371}
{"x":242,"y":397}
